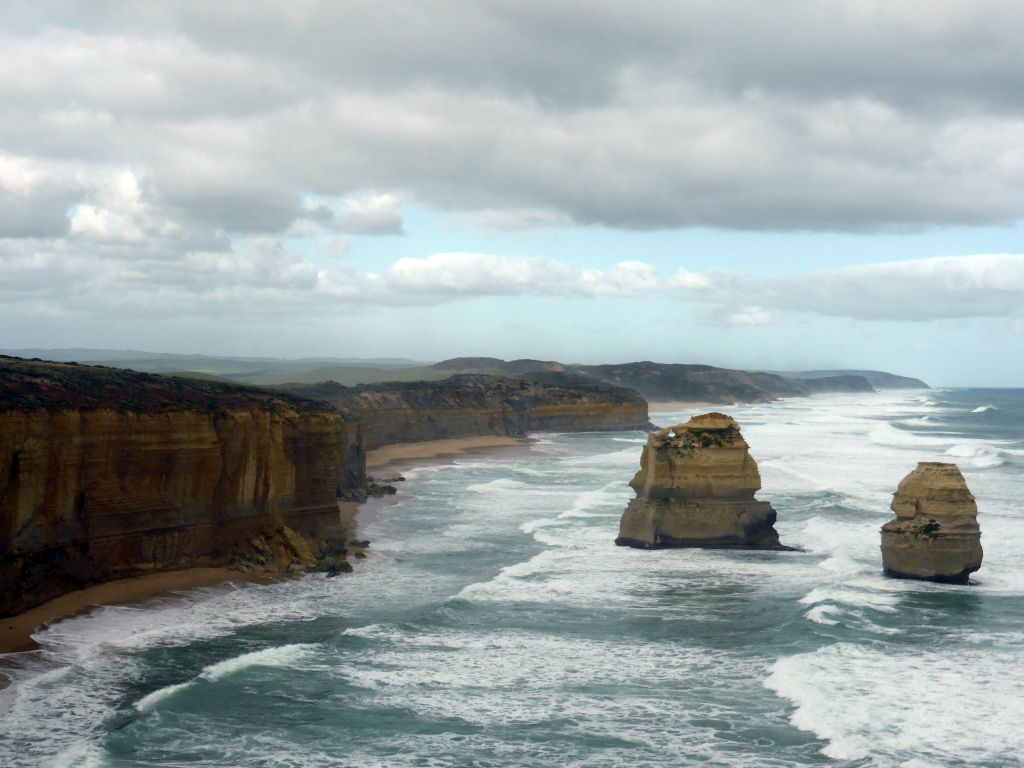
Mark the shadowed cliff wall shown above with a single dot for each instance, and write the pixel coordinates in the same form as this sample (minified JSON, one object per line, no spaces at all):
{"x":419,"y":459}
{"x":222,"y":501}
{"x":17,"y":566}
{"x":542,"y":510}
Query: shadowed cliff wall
{"x":470,"y":405}
{"x":106,"y":474}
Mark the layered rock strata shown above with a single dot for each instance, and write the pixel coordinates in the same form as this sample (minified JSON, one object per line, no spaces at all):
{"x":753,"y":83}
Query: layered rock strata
{"x":674,"y":381}
{"x":935,"y":536}
{"x":471,"y":405}
{"x":106,"y":474}
{"x":695,"y":488}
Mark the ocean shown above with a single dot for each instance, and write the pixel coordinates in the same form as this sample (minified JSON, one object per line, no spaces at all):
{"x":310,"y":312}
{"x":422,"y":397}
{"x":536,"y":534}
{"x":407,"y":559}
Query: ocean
{"x":496,"y":624}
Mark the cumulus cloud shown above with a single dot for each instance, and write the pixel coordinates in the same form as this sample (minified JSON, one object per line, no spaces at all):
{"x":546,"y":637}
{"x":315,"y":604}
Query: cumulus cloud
{"x":163,"y":156}
{"x":371,"y":215}
{"x":878,"y":116}
{"x":482,"y":274}
{"x":682,"y":278}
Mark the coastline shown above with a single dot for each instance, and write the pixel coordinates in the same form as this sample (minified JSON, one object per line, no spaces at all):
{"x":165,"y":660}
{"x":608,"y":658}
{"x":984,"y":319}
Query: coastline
{"x":407,"y":454}
{"x":16,"y":631}
{"x":668,"y":406}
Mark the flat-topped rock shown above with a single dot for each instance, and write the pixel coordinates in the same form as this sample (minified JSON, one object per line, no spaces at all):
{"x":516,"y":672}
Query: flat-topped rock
{"x":935,"y":536}
{"x":695,"y":488}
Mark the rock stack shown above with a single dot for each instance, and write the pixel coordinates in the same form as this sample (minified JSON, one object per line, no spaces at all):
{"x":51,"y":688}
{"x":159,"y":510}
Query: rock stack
{"x":935,"y":536}
{"x":695,"y":488}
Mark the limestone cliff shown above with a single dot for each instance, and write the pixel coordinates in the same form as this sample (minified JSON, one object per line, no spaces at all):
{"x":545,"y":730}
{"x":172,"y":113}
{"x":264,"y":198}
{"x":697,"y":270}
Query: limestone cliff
{"x":672,"y":381}
{"x":470,"y":405}
{"x":107,"y":473}
{"x":935,"y":536}
{"x":695,"y":488}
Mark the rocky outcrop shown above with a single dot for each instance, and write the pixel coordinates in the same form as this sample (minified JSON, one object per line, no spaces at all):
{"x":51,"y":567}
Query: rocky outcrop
{"x":877,"y":379}
{"x":280,"y":549}
{"x":935,"y":536}
{"x":107,"y":473}
{"x":471,"y":405}
{"x":695,"y":488}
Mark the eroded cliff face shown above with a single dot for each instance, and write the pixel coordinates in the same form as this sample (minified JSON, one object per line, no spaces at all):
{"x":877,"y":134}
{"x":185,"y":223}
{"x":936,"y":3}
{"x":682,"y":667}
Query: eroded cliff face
{"x":176,"y":475}
{"x":935,"y":536}
{"x":695,"y":488}
{"x":471,"y":405}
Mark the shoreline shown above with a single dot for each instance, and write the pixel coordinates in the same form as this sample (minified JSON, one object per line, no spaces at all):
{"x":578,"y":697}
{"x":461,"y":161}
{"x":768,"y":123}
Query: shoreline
{"x":669,"y":406}
{"x":407,"y":454}
{"x":16,"y":631}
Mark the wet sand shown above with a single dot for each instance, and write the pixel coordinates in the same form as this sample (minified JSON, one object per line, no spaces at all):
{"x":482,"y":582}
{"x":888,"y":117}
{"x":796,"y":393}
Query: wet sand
{"x":16,"y":631}
{"x":408,"y":454}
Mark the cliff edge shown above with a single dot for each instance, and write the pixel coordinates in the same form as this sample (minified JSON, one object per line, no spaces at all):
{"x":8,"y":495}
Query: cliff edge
{"x":695,"y":488}
{"x":107,"y":473}
{"x":468,"y":405}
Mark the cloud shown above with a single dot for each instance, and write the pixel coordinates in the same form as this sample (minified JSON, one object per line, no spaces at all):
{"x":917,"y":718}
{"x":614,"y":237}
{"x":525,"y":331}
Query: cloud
{"x":34,"y":198}
{"x":481,"y":274}
{"x":515,"y":219}
{"x":371,"y":215}
{"x":878,"y":116}
{"x":750,"y":315}
{"x":948,"y":287}
{"x":686,"y":280}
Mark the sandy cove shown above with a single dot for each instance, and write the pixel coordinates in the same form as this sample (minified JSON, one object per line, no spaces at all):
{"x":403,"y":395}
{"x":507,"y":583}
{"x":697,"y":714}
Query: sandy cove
{"x":16,"y":631}
{"x":408,"y":454}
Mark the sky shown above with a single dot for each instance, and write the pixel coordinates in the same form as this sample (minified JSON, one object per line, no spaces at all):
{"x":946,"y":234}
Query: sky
{"x":785,"y":185}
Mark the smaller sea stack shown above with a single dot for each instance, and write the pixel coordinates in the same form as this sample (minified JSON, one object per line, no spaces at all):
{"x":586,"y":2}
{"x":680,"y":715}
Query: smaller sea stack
{"x":695,"y":488}
{"x":935,"y":536}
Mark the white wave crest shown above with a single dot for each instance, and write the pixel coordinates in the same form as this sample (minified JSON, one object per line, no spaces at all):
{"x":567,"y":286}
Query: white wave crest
{"x":149,"y":701}
{"x":819,"y":614}
{"x":882,"y":703}
{"x":977,"y":456}
{"x":281,"y":656}
{"x":886,"y":434}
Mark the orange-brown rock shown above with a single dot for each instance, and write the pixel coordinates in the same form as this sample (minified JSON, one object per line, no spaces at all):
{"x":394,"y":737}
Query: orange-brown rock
{"x":106,"y":474}
{"x":695,"y":488}
{"x":471,"y":405}
{"x":935,"y":536}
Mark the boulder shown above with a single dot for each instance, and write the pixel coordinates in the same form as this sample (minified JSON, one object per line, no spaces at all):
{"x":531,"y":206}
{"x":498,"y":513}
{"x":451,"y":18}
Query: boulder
{"x":695,"y":488}
{"x":935,"y":536}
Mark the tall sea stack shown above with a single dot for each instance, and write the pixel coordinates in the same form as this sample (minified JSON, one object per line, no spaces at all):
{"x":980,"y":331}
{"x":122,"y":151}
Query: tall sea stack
{"x":935,"y":536}
{"x":695,"y":488}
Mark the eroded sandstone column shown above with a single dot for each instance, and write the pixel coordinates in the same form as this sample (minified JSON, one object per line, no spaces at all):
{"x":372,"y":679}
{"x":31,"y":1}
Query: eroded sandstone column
{"x":695,"y":488}
{"x":935,"y":536}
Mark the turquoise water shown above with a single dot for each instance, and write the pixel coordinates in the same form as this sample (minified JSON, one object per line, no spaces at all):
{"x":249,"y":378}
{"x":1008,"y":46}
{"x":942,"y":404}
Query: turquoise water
{"x":496,"y":624}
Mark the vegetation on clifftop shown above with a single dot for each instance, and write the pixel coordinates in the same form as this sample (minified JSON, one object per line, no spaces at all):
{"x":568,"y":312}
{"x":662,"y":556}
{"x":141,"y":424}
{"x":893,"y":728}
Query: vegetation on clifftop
{"x":41,"y":385}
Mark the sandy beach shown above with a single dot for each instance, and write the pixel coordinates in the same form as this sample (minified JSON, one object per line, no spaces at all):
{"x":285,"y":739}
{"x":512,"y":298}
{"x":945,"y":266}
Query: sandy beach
{"x":16,"y":631}
{"x":407,"y":453}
